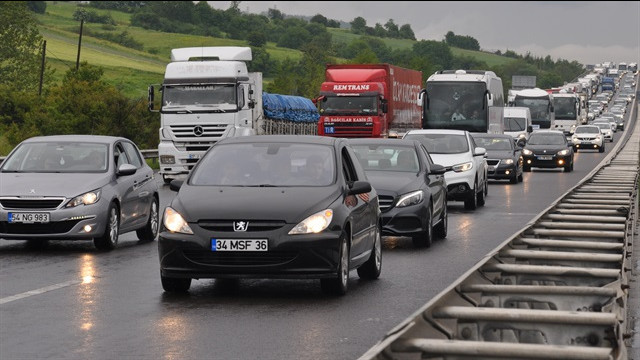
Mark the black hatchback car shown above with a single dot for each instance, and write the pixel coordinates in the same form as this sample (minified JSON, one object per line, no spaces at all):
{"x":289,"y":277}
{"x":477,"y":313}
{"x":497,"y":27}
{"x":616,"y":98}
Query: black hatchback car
{"x":272,"y":206}
{"x":548,"y":149}
{"x":504,"y":156}
{"x":411,"y":188}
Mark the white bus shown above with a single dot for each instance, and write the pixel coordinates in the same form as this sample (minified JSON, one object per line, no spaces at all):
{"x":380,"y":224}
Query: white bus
{"x":567,"y":112}
{"x":461,"y":99}
{"x":540,"y":102}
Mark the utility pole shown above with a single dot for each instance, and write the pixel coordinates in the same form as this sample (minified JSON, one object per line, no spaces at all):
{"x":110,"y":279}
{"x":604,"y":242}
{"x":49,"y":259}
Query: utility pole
{"x":44,"y":53}
{"x":79,"y":45}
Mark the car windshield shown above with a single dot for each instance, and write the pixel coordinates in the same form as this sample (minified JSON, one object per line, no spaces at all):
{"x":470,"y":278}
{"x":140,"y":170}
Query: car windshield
{"x":387,"y":157}
{"x":497,"y":143}
{"x":546,"y":139}
{"x":603,"y":126}
{"x":266,"y":164}
{"x":58,"y":157}
{"x":442,"y":143}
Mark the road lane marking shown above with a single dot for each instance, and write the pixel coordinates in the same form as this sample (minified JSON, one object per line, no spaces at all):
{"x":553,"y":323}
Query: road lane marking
{"x":38,"y":291}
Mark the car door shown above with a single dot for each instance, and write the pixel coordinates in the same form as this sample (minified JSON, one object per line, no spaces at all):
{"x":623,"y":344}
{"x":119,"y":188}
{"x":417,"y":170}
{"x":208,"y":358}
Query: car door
{"x":126,"y":188}
{"x":480,"y":161}
{"x":363,"y":212}
{"x":143,"y":184}
{"x":436,"y":182}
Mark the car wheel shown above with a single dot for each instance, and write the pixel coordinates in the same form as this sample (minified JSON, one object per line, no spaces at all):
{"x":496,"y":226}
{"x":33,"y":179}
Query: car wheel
{"x":150,"y":231}
{"x":109,"y":239}
{"x":568,"y":167}
{"x":441,"y":228}
{"x":372,"y":267}
{"x":471,"y":202}
{"x":482,"y":195}
{"x":339,"y":285}
{"x":175,"y":285}
{"x":424,"y":238}
{"x":521,"y":176}
{"x":601,"y":148}
{"x":166,"y":179}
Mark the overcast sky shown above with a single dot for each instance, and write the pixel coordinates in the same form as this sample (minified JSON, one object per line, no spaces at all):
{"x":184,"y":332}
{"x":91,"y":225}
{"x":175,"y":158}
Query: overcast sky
{"x":589,"y":32}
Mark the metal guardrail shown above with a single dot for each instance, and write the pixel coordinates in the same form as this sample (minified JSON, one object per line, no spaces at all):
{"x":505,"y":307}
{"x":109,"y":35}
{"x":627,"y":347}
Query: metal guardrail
{"x":557,"y":289}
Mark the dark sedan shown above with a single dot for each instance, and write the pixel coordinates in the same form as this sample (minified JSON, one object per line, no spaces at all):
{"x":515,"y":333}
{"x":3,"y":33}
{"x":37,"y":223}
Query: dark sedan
{"x":272,"y":206}
{"x":548,"y":149}
{"x":504,"y":156}
{"x":77,"y":187}
{"x":411,"y":188}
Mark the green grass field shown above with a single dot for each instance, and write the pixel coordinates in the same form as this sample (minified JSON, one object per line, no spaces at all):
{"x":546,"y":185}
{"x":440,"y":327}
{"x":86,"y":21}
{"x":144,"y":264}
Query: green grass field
{"x":132,"y":71}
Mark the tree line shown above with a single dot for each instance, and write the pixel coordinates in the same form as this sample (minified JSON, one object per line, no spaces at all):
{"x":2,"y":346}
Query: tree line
{"x":84,"y":103}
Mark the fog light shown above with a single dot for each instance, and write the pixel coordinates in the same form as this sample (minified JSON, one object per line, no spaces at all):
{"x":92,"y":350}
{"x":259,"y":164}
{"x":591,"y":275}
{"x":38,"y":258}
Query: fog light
{"x":507,"y":172}
{"x":560,"y":162}
{"x":577,"y":145}
{"x":529,"y":161}
{"x":87,"y":228}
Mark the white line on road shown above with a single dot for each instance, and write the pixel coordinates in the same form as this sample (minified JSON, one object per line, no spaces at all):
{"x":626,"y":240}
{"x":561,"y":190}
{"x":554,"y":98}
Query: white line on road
{"x":38,"y":291}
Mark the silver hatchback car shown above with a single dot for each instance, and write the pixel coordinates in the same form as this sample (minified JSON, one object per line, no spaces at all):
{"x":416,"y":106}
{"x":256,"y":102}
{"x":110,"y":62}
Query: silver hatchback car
{"x":77,"y":187}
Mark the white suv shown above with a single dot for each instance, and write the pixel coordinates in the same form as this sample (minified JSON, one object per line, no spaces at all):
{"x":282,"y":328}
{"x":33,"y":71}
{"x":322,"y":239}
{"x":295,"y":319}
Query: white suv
{"x":457,"y":151}
{"x":587,"y":137}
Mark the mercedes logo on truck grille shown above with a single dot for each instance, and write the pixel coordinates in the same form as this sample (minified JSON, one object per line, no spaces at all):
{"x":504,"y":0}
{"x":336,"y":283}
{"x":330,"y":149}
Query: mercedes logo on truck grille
{"x":198,"y":130}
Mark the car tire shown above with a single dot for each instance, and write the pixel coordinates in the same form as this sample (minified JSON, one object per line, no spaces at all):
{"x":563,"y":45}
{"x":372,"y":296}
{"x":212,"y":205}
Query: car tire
{"x":373,"y":266}
{"x":482,"y":195}
{"x":339,"y":285}
{"x":440,"y":229}
{"x":568,"y":167}
{"x":166,"y":180}
{"x":175,"y":285}
{"x":150,"y":231}
{"x":425,"y":237}
{"x":109,"y":239}
{"x":521,"y":176}
{"x":601,"y":148}
{"x":471,"y":202}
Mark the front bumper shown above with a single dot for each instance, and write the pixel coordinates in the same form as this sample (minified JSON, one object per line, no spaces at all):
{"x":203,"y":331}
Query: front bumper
{"x":550,"y":161}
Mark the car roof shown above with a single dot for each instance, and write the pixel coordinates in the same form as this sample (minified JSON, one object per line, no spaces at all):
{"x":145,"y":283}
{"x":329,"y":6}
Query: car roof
{"x":307,"y":139}
{"x":406,"y":142}
{"x":75,"y":138}
{"x":488,"y":135}
{"x":436,"y":131}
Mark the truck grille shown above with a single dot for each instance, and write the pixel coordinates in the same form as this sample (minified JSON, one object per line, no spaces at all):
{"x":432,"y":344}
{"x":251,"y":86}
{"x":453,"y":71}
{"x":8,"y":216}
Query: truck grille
{"x":351,"y":130}
{"x":198,"y":131}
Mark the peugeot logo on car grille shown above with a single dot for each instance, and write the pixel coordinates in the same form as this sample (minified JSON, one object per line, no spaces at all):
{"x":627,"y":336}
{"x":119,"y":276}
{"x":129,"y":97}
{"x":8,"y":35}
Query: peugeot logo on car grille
{"x":198,"y":130}
{"x":240,"y":225}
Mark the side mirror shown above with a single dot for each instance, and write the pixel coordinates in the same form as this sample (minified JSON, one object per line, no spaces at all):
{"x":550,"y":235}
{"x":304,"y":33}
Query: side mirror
{"x":480,"y":151}
{"x":125,"y":170}
{"x":529,"y":129}
{"x":151,"y":96}
{"x":437,"y":169}
{"x":175,"y":185}
{"x":358,"y":187}
{"x":521,"y":143}
{"x":385,"y":106}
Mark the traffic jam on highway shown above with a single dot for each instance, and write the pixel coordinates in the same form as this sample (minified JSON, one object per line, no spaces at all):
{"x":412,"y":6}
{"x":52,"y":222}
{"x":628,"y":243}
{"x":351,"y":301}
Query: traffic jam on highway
{"x":250,"y":201}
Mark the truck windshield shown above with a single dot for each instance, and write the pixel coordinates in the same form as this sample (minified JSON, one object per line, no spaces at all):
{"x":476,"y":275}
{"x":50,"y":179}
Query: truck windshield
{"x":349,"y":105}
{"x":565,"y":108}
{"x":456,"y":105}
{"x":180,"y":97}
{"x":540,"y":113}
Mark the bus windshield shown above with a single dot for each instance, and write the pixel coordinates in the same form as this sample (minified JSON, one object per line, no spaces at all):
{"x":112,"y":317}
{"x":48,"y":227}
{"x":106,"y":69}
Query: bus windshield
{"x":456,"y":105}
{"x":540,"y":110}
{"x":565,"y":108}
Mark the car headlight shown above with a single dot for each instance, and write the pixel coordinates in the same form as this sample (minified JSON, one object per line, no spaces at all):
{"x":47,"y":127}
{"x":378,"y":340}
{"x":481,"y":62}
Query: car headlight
{"x":598,"y":137}
{"x":412,"y":198}
{"x":174,"y":222}
{"x":85,"y":199}
{"x":508,"y":161}
{"x":563,"y":152}
{"x":314,"y":223}
{"x":527,"y":152}
{"x":463,"y":167}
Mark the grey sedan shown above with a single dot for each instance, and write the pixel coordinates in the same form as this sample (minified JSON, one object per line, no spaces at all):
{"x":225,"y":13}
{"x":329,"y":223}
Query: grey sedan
{"x":77,"y":187}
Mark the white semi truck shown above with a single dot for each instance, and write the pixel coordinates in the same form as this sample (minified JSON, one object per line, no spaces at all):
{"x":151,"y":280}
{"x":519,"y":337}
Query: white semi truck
{"x":208,"y":94}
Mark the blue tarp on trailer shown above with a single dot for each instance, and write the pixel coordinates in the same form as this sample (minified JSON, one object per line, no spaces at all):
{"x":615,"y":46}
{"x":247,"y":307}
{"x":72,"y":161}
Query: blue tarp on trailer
{"x":289,"y":107}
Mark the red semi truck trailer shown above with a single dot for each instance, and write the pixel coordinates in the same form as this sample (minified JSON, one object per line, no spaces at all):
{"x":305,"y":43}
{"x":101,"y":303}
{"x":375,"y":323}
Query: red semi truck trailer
{"x":368,"y":100}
